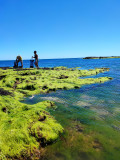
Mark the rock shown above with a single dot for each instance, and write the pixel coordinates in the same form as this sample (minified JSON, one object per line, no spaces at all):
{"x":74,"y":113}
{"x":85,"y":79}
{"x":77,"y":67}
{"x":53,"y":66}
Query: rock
{"x":42,"y":118}
{"x":79,"y":128}
{"x":4,"y":92}
{"x":101,"y":57}
{"x":62,"y":77}
{"x":4,"y":109}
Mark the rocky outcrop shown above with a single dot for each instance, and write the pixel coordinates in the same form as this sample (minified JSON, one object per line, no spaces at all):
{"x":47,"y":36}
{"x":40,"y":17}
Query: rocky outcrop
{"x":101,"y":57}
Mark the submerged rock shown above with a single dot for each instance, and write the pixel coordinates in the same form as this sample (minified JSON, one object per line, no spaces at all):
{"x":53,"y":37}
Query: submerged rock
{"x":79,"y":128}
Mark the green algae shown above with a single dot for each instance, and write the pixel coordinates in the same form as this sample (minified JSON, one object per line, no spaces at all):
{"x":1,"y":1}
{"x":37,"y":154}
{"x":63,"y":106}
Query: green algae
{"x":84,"y":137}
{"x":25,"y":128}
{"x":22,"y":127}
{"x":29,"y":82}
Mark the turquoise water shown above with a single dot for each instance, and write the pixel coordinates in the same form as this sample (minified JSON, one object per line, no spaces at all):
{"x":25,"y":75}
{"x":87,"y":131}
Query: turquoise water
{"x":90,"y":115}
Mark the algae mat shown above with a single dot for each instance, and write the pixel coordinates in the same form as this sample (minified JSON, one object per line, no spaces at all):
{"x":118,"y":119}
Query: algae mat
{"x":26,"y":129}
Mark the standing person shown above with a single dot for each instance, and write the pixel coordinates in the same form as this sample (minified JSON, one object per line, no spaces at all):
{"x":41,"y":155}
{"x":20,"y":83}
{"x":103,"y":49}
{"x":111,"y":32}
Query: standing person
{"x":36,"y":58}
{"x":19,"y":59}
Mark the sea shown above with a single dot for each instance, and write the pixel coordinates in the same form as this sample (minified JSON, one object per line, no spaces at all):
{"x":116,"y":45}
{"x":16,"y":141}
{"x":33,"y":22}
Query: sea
{"x":89,"y":115}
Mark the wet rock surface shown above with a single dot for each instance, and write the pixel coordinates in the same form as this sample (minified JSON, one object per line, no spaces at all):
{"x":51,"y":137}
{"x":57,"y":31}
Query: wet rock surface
{"x":42,"y":118}
{"x":4,"y":92}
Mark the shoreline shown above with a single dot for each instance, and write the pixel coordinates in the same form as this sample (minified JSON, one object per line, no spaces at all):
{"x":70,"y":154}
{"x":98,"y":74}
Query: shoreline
{"x":102,"y":57}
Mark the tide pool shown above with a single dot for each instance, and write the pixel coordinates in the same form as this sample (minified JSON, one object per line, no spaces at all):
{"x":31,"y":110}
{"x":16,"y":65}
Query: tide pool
{"x":90,"y":116}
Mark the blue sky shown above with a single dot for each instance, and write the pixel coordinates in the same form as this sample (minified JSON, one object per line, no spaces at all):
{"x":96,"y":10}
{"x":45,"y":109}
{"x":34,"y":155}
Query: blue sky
{"x":59,"y":28}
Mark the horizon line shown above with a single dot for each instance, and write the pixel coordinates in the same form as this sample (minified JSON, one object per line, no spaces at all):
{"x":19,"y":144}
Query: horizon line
{"x":58,"y":58}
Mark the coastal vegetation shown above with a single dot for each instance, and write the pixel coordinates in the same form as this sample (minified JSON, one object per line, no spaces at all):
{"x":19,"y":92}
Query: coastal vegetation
{"x":101,"y":57}
{"x":25,"y":129}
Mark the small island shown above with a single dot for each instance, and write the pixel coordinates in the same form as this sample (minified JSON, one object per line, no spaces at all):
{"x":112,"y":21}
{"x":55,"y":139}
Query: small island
{"x":25,"y":129}
{"x":101,"y":57}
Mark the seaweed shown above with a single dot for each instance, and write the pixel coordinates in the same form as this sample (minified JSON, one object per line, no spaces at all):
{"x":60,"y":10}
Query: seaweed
{"x":25,"y":128}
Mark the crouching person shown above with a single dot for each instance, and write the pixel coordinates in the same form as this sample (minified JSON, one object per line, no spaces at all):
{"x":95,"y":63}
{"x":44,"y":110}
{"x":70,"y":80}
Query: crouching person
{"x":18,"y":59}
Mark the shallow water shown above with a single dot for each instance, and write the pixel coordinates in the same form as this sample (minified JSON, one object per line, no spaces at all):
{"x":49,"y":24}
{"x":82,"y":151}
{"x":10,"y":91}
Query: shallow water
{"x":90,"y":115}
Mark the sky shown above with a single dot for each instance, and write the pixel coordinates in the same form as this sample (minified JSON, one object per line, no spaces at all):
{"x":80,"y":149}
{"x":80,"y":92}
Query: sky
{"x":59,"y":28}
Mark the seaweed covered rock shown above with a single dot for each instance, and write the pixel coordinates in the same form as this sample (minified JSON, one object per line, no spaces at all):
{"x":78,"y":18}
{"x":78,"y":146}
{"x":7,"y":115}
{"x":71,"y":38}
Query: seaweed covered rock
{"x":26,"y":82}
{"x":25,"y":128}
{"x":4,"y":92}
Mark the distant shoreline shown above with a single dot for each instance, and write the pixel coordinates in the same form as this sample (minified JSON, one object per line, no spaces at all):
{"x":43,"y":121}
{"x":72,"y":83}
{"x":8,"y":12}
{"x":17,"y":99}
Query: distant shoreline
{"x":101,"y":57}
{"x":91,"y":57}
